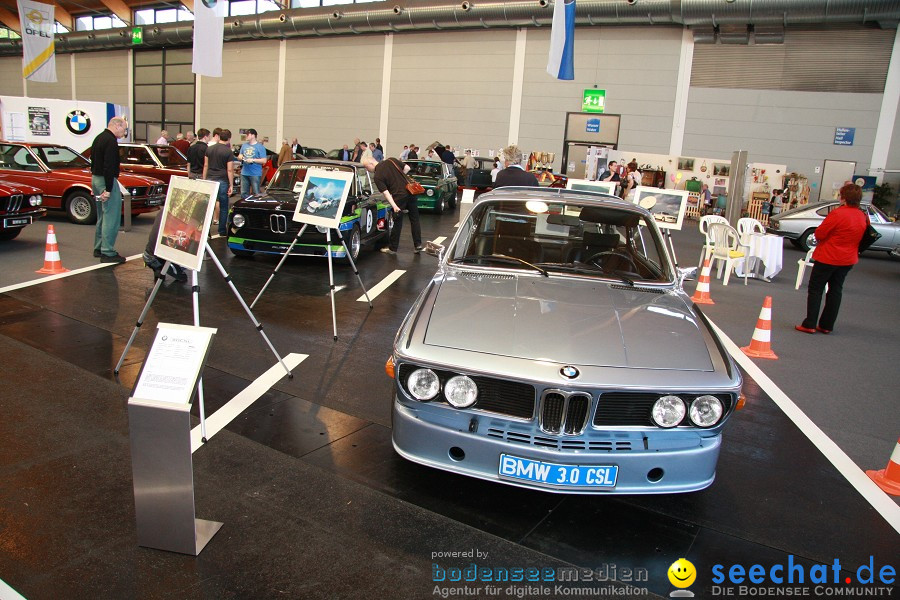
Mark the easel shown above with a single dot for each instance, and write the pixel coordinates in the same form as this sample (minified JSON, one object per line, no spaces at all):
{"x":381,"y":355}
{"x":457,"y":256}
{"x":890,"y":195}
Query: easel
{"x":330,"y":271}
{"x":195,"y":287}
{"x":668,"y":233}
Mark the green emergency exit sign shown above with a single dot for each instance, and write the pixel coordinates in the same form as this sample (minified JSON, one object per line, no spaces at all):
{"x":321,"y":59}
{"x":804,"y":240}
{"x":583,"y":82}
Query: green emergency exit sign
{"x":137,"y":35}
{"x":593,"y":101}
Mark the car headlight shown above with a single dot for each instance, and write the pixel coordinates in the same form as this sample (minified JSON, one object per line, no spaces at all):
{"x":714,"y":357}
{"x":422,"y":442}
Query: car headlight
{"x":461,"y":391}
{"x":423,"y":384}
{"x":668,"y":411}
{"x":429,"y":192}
{"x":238,"y":220}
{"x":35,"y":200}
{"x":706,"y":411}
{"x":133,"y":191}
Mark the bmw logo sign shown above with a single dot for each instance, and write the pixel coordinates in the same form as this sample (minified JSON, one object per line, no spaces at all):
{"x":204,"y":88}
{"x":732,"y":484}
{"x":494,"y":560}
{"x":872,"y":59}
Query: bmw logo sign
{"x":569,"y":372}
{"x":78,"y":122}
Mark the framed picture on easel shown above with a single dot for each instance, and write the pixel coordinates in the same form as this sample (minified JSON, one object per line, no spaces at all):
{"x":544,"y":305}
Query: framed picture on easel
{"x":666,"y":206}
{"x":185,"y":223}
{"x":322,"y":197}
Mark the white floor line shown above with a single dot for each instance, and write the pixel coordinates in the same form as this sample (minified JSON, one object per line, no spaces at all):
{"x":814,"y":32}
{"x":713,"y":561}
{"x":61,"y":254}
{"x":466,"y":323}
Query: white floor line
{"x":439,"y":240}
{"x":217,"y":421}
{"x":879,"y":500}
{"x":382,"y":285}
{"x":457,"y":224}
{"x":25,"y":284}
{"x":7,"y":593}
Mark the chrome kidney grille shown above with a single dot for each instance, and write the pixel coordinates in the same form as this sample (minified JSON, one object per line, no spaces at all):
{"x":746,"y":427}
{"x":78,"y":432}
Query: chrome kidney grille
{"x":564,"y":413}
{"x":278,"y":223}
{"x":12,"y":203}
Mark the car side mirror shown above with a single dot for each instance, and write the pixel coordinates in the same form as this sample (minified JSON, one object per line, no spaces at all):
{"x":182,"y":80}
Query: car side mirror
{"x":434,"y":249}
{"x":688,"y":274}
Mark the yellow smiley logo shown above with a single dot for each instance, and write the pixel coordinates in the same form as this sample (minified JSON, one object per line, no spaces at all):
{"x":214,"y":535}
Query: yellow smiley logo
{"x":682,"y":573}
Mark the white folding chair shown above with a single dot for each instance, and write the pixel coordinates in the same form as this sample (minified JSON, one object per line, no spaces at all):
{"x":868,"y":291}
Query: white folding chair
{"x":705,"y":221}
{"x":806,"y":261}
{"x":725,"y":249}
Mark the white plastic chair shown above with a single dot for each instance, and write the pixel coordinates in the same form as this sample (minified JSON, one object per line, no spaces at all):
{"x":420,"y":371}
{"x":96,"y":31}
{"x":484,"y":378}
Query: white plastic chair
{"x":806,"y":261}
{"x":705,"y":222}
{"x":748,"y":225}
{"x":725,"y":249}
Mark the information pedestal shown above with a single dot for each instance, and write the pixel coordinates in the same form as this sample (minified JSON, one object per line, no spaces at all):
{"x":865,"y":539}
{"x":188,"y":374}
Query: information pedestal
{"x":162,"y":467}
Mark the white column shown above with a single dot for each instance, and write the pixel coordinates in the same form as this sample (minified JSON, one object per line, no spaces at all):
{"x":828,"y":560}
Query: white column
{"x":279,"y":109}
{"x":72,"y":72}
{"x":515,"y":101}
{"x":888,"y":113}
{"x":386,"y":89}
{"x":682,"y":90}
{"x":197,"y":103}
{"x":130,"y":79}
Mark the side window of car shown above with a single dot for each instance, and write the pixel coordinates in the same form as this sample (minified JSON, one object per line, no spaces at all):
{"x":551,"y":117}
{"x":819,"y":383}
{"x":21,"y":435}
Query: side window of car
{"x":362,"y":182}
{"x":24,"y":161}
{"x":823,"y":212}
{"x":874,"y":217}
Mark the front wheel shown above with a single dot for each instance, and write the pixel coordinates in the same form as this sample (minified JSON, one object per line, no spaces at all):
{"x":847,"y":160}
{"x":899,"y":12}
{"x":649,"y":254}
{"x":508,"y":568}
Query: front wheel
{"x":452,"y":202}
{"x":439,"y":204}
{"x":807,"y":240}
{"x":82,"y":208}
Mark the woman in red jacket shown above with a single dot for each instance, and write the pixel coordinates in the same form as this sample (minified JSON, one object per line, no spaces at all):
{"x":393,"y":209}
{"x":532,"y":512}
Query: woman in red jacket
{"x":837,"y":250}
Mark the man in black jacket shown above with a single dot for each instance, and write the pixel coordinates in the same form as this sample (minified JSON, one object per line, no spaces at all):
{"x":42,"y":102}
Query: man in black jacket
{"x":514,"y":173}
{"x":105,"y":187}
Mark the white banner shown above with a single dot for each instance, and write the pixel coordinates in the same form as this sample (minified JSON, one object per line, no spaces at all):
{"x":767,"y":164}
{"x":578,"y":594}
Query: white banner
{"x":38,"y":59}
{"x":209,"y":32}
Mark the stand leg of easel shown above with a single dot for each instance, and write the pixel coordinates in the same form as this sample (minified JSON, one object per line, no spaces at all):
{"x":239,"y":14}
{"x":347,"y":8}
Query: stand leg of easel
{"x":353,"y":264}
{"x":237,"y":295}
{"x":159,"y":280}
{"x":671,"y":247}
{"x":331,"y":282}
{"x":280,"y":262}
{"x":195,"y":293}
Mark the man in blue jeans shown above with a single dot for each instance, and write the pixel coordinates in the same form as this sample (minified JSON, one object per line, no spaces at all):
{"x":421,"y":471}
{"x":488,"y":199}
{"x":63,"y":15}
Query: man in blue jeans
{"x":253,"y":156}
{"x":219,"y":166}
{"x":105,"y":187}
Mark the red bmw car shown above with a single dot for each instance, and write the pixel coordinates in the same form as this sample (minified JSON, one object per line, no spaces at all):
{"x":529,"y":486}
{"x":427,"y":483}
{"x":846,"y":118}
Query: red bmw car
{"x":20,"y":206}
{"x":64,"y":178}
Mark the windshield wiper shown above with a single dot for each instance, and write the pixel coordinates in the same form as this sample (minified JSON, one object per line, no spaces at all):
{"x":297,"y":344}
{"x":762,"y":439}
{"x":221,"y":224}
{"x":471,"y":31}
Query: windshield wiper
{"x":587,"y":271}
{"x":500,"y":258}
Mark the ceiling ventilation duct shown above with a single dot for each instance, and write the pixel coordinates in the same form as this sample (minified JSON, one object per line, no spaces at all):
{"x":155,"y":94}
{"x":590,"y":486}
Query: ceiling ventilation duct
{"x":703,"y":16}
{"x":704,"y":34}
{"x":768,"y":34}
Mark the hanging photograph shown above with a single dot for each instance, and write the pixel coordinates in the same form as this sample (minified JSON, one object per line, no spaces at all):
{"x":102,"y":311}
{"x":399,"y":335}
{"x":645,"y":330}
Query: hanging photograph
{"x":721,"y":169}
{"x":685,"y":164}
{"x":666,"y":206}
{"x":586,"y":185}
{"x":186,"y":217}
{"x":322,"y":197}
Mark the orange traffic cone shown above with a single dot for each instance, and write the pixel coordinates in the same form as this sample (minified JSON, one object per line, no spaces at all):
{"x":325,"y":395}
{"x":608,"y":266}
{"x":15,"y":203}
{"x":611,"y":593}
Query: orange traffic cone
{"x":701,"y":295}
{"x":759,"y":345}
{"x":888,"y":479}
{"x":52,"y":264}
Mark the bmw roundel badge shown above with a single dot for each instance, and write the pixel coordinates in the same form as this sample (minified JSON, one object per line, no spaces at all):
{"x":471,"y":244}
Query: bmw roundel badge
{"x":569,"y":372}
{"x":78,"y":122}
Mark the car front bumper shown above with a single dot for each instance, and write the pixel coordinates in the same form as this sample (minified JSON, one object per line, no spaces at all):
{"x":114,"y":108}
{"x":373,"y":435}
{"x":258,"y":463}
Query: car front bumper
{"x":782,"y":233}
{"x":440,"y":445}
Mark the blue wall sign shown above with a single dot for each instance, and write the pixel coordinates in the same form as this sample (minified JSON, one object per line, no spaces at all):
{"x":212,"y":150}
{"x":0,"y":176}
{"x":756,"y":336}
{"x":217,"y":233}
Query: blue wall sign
{"x":843,"y":136}
{"x":593,"y":126}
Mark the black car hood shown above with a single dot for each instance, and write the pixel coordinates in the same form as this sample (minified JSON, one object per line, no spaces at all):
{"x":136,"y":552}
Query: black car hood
{"x":271,"y":199}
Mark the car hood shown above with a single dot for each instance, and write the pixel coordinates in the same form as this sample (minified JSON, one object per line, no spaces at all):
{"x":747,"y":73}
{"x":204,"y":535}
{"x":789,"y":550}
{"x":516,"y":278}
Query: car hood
{"x":84,"y":175}
{"x":12,"y":187}
{"x":271,"y":199}
{"x":567,"y":320}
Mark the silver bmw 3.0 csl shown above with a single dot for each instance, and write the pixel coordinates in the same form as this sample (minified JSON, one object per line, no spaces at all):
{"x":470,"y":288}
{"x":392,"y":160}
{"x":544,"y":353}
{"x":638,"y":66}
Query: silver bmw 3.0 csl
{"x":555,"y":349}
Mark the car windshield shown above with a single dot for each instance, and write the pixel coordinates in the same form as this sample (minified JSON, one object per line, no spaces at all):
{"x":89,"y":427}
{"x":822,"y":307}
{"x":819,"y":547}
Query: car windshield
{"x":290,"y":176}
{"x":169,"y":156}
{"x":425,"y":169}
{"x":569,"y":237}
{"x":61,"y":157}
